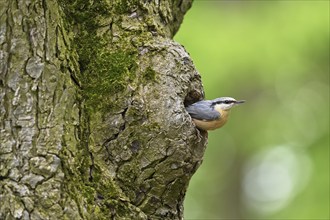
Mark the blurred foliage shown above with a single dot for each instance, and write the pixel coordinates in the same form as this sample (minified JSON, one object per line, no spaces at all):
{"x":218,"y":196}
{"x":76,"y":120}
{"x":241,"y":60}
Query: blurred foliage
{"x":271,"y":160}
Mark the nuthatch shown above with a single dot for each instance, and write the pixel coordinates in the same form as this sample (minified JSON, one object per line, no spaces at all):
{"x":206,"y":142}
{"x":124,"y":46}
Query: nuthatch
{"x":211,"y":114}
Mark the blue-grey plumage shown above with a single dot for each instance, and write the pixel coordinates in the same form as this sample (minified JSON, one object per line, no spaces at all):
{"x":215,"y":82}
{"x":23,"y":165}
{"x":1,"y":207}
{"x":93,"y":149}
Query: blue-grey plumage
{"x":211,"y":114}
{"x":202,"y":110}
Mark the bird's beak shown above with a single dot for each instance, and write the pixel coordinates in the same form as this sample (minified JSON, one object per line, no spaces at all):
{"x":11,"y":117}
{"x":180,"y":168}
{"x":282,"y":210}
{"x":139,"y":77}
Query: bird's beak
{"x":239,"y":102}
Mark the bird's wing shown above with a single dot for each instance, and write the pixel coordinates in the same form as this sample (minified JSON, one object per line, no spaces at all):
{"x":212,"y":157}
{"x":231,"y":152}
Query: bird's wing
{"x":202,"y":110}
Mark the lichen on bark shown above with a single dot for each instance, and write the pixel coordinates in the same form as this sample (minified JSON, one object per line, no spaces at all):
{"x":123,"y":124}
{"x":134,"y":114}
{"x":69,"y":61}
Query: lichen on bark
{"x":38,"y":111}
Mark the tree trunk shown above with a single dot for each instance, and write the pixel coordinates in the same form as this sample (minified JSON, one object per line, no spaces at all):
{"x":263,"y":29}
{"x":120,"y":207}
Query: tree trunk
{"x":92,"y":117}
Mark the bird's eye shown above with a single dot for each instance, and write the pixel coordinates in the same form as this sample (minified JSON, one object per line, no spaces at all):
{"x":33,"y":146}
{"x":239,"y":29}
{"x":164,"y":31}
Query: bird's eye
{"x":227,"y":102}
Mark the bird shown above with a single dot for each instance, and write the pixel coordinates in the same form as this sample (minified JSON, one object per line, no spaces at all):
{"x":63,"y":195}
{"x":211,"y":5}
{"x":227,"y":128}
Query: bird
{"x":212,"y":114}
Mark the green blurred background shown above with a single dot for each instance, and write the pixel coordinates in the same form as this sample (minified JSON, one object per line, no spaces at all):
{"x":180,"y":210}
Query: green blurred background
{"x":271,"y":160}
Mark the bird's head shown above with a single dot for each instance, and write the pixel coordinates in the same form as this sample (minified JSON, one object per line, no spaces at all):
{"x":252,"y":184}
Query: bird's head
{"x":226,"y":103}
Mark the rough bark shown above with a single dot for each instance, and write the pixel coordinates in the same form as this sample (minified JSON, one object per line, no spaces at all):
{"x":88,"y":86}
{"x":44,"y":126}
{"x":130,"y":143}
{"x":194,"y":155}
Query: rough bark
{"x":92,"y":117}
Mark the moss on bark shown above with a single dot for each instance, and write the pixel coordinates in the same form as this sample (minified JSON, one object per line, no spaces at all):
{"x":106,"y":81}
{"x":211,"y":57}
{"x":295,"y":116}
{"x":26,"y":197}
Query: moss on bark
{"x":111,"y":138}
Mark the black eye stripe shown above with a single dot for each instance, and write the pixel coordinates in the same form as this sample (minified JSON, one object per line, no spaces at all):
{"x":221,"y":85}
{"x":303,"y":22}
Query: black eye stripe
{"x":225,"y":102}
